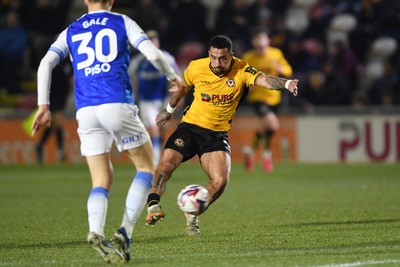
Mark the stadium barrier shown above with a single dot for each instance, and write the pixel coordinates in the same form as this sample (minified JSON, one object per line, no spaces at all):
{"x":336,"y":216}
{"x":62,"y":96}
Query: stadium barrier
{"x":340,"y":138}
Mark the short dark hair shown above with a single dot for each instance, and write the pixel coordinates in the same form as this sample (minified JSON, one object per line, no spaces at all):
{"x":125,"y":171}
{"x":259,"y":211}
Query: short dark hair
{"x":221,"y":42}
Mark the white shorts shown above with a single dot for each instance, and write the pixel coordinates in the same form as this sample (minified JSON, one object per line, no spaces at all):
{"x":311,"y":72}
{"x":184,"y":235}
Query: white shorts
{"x":149,"y":111}
{"x":99,"y":126}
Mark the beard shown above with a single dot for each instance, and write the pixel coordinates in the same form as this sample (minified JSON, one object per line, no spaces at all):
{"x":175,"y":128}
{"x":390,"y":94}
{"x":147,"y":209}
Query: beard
{"x":219,"y":70}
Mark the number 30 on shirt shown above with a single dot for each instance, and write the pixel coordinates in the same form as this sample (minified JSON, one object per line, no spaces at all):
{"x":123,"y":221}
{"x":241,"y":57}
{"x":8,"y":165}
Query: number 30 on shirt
{"x":105,"y":39}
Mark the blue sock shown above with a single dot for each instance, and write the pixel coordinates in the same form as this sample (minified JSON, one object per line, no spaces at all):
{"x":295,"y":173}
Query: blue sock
{"x":97,"y":205}
{"x":136,"y":200}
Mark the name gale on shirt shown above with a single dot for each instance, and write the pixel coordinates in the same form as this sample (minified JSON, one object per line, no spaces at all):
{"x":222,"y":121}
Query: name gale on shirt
{"x":99,"y":21}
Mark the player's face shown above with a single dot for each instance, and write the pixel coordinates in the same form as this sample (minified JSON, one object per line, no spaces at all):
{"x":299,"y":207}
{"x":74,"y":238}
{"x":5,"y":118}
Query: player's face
{"x":260,"y":41}
{"x":220,"y":59}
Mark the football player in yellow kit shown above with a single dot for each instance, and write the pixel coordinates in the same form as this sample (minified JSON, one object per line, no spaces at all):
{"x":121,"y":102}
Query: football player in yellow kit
{"x":219,"y":82}
{"x":265,"y":103}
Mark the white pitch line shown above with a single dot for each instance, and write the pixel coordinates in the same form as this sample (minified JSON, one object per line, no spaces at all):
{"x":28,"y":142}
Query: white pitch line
{"x":359,"y":263}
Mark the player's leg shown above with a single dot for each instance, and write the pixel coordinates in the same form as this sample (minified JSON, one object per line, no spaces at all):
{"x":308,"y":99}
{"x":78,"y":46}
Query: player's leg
{"x":123,"y":123}
{"x":101,"y":173}
{"x":249,"y":151}
{"x":271,"y":125}
{"x":102,"y":177}
{"x":142,"y":157}
{"x":217,"y":165}
{"x":156,"y":141}
{"x":95,"y":146}
{"x":178,"y":149}
{"x":170,"y":160}
{"x":181,"y":146}
{"x":148,"y":112}
{"x":256,"y":140}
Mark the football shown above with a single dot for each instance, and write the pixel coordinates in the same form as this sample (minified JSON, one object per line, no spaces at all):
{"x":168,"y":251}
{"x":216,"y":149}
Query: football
{"x":192,"y":198}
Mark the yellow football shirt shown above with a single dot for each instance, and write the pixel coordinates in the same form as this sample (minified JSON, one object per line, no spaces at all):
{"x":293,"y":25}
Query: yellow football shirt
{"x":267,"y":63}
{"x":216,"y":97}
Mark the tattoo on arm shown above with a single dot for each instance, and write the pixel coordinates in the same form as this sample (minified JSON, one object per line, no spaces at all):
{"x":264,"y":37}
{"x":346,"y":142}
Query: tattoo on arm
{"x":274,"y":82}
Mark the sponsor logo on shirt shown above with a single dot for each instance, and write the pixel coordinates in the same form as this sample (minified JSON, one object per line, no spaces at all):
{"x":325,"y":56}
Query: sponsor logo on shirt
{"x":218,"y":99}
{"x":97,"y":69}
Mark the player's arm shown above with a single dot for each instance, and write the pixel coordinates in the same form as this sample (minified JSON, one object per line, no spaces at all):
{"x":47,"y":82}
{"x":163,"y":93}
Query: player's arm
{"x":178,"y":90}
{"x":277,"y":83}
{"x":57,"y":52}
{"x":157,"y":58}
{"x":140,"y":41}
{"x":179,"y":86}
{"x":160,"y":61}
{"x":43,"y":115}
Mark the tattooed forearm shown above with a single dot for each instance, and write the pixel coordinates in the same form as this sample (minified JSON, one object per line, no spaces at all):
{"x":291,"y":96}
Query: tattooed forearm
{"x":273,"y":82}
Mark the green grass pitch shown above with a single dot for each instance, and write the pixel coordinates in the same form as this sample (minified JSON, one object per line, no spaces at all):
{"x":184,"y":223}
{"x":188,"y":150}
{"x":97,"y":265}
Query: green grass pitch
{"x":334,"y":215}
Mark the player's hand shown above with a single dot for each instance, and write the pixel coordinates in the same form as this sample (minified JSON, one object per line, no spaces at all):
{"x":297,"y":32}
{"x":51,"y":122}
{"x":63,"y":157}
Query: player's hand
{"x":163,"y":117}
{"x":293,"y":87}
{"x":42,"y":118}
{"x":177,"y":85}
{"x":174,"y":88}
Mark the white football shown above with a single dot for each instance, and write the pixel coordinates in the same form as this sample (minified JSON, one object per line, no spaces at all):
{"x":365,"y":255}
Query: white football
{"x":192,"y":198}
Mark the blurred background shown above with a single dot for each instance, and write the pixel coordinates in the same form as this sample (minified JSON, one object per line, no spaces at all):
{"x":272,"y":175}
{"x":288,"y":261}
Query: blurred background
{"x":344,"y":52}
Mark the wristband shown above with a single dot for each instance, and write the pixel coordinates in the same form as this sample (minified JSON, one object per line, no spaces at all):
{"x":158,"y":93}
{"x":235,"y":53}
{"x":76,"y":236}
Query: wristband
{"x":287,"y":83}
{"x":170,"y":109}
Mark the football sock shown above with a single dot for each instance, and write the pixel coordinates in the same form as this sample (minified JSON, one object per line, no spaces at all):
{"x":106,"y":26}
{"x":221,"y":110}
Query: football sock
{"x":267,"y":153}
{"x":156,"y":141}
{"x":256,"y":141}
{"x":136,"y":200}
{"x":268,"y":138}
{"x":97,"y":209}
{"x":153,"y":199}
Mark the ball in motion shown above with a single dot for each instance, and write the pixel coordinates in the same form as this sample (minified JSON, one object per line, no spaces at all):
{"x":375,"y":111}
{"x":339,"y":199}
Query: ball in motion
{"x":193,"y":198}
